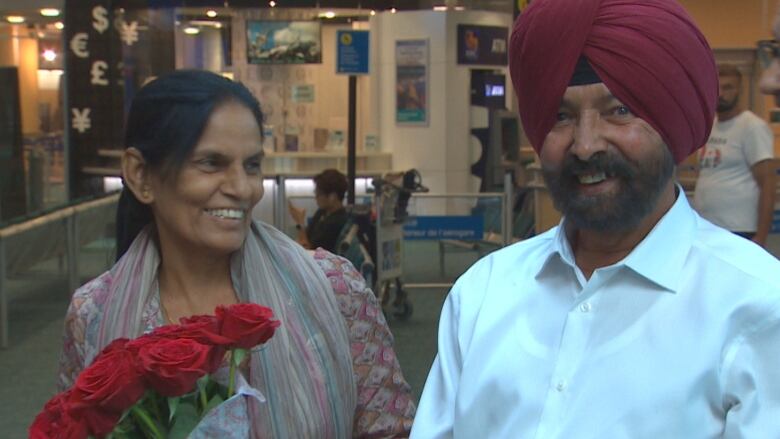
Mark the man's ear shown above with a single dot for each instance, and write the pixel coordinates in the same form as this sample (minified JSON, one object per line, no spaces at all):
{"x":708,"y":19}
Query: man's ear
{"x":136,"y":175}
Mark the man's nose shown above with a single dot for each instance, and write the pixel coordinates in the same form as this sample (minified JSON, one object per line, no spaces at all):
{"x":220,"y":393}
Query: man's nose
{"x":770,"y":79}
{"x":588,"y":136}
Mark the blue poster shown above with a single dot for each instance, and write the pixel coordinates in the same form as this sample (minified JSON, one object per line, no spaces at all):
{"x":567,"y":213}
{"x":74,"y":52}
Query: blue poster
{"x":352,"y":52}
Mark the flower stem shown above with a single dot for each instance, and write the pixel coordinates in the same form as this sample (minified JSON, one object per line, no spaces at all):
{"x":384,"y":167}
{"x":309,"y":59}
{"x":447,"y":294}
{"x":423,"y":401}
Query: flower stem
{"x":232,"y":379}
{"x":203,"y":400}
{"x":142,"y":416}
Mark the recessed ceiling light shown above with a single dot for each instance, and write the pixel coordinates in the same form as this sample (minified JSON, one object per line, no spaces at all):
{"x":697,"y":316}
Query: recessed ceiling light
{"x":15,"y":19}
{"x":272,"y":3}
{"x":329,"y":14}
{"x":440,"y":8}
{"x":392,"y":11}
{"x":211,"y":13}
{"x":189,"y":30}
{"x":373,"y":12}
{"x":50,"y":12}
{"x":59,"y":25}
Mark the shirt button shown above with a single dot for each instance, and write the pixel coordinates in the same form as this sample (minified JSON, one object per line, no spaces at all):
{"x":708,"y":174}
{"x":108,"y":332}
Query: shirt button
{"x":585,"y":307}
{"x":561,"y":386}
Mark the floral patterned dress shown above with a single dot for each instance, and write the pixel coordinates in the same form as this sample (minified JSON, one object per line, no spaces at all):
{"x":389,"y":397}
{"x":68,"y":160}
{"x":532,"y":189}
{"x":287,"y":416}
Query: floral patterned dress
{"x":384,"y":408}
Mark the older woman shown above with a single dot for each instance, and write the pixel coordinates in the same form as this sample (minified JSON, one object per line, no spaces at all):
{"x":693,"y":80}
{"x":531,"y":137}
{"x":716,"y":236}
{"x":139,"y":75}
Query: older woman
{"x":186,"y":243}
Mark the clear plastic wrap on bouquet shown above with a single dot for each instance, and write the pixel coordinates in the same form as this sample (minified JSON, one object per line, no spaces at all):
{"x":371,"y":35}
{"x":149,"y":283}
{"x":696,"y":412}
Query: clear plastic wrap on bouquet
{"x":231,"y":419}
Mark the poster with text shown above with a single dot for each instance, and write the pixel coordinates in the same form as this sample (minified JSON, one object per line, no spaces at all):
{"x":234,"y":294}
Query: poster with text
{"x":411,"y":82}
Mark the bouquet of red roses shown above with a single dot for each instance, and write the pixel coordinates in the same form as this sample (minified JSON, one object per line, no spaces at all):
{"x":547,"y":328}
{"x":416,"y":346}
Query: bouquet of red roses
{"x":165,"y":384}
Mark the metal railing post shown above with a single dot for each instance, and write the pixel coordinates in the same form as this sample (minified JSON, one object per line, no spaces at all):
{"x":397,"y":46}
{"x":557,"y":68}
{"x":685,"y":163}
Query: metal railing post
{"x":3,"y":298}
{"x":72,"y":249}
{"x":280,"y":199}
{"x":506,"y":208}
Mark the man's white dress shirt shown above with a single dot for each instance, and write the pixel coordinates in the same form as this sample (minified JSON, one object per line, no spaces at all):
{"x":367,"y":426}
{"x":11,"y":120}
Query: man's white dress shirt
{"x":680,"y":339}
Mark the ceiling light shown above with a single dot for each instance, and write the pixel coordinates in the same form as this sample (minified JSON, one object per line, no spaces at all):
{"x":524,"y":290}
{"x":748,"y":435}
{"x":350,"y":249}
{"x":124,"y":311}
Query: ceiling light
{"x":272,"y":3}
{"x":211,"y":13}
{"x":373,"y":12}
{"x":329,"y":14}
{"x":50,"y":12}
{"x":392,"y":11}
{"x":189,"y":30}
{"x":59,"y":25}
{"x":460,"y":8}
{"x":15,"y":19}
{"x":440,"y":8}
{"x":49,"y":55}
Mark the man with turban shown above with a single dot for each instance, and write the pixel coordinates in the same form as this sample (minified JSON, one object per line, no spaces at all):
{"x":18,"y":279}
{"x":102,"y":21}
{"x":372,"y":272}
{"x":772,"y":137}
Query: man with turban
{"x":634,"y":317}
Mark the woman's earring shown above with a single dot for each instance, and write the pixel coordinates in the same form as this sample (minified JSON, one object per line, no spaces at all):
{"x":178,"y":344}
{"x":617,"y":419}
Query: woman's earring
{"x":145,"y":192}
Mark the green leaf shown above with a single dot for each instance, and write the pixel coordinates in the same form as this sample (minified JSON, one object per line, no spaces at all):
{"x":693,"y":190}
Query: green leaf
{"x":238,"y":356}
{"x":215,"y":401}
{"x":184,"y":422}
{"x":173,"y":404}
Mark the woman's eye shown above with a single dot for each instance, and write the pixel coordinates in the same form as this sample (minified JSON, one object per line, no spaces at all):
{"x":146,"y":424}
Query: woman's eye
{"x":253,"y":167}
{"x":207,"y":163}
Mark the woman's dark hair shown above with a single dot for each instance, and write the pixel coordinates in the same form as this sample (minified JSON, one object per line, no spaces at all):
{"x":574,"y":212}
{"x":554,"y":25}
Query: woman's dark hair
{"x":166,"y":120}
{"x":331,"y":181}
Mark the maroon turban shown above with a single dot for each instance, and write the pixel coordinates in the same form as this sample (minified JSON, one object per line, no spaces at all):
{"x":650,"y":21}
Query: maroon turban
{"x":649,"y":53}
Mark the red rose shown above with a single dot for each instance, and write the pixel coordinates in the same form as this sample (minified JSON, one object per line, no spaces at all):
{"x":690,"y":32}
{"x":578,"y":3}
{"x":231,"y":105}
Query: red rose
{"x":55,"y":423}
{"x":108,"y":387}
{"x":247,"y":324}
{"x":172,"y":366}
{"x":203,"y":329}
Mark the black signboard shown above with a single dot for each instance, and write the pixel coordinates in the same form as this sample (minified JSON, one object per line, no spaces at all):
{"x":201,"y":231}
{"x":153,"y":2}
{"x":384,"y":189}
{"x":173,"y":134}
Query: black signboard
{"x":93,"y":103}
{"x":112,"y":47}
{"x":482,"y":45}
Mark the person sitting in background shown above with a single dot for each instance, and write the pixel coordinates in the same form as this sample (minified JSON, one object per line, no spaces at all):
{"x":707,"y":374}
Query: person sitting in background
{"x":323,"y":231}
{"x":736,"y":185}
{"x":186,"y":243}
{"x":634,"y":317}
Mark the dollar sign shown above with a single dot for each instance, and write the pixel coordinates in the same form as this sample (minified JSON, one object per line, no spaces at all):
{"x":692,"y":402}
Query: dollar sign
{"x":100,"y":14}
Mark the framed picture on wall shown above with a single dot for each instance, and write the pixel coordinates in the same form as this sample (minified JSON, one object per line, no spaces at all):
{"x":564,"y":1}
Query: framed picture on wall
{"x":411,"y":82}
{"x":283,"y":42}
{"x":482,"y":45}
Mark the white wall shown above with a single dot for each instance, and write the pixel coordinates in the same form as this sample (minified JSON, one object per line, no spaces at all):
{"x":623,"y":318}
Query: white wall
{"x":441,"y":151}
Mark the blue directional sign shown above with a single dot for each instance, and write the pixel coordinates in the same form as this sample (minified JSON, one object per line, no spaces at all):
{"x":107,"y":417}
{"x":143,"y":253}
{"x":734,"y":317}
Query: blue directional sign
{"x":352,"y":52}
{"x":464,"y":228}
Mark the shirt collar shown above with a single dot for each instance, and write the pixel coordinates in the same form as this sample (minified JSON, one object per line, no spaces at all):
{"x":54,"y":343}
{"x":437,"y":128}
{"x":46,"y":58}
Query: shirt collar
{"x":659,"y":257}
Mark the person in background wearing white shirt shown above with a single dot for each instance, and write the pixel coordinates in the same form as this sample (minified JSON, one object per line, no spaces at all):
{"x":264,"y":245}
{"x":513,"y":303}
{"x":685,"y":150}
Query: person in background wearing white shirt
{"x":634,"y":317}
{"x":736,"y":185}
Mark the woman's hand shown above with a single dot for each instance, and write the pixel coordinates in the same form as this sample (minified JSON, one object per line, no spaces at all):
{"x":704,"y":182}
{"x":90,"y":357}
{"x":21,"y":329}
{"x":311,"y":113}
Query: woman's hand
{"x":298,"y":215}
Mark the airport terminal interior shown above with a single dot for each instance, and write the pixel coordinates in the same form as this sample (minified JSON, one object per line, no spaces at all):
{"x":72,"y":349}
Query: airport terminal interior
{"x":411,"y":99}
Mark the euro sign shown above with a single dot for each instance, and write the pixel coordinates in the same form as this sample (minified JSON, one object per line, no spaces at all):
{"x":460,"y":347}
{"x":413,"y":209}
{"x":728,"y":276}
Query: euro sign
{"x":100,"y":14}
{"x":78,"y":44}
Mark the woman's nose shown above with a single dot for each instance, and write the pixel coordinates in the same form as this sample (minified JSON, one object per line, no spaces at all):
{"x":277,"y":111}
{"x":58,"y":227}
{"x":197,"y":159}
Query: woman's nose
{"x":237,"y":183}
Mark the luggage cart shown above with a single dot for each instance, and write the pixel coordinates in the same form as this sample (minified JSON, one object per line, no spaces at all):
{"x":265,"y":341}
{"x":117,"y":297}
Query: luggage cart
{"x":391,"y":199}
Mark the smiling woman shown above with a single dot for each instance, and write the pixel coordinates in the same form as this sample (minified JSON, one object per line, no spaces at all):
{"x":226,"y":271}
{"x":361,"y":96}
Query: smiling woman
{"x":186,"y":243}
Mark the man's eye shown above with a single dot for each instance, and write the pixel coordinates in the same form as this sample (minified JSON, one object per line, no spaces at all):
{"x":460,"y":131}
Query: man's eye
{"x":621,"y":110}
{"x":562,"y":116}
